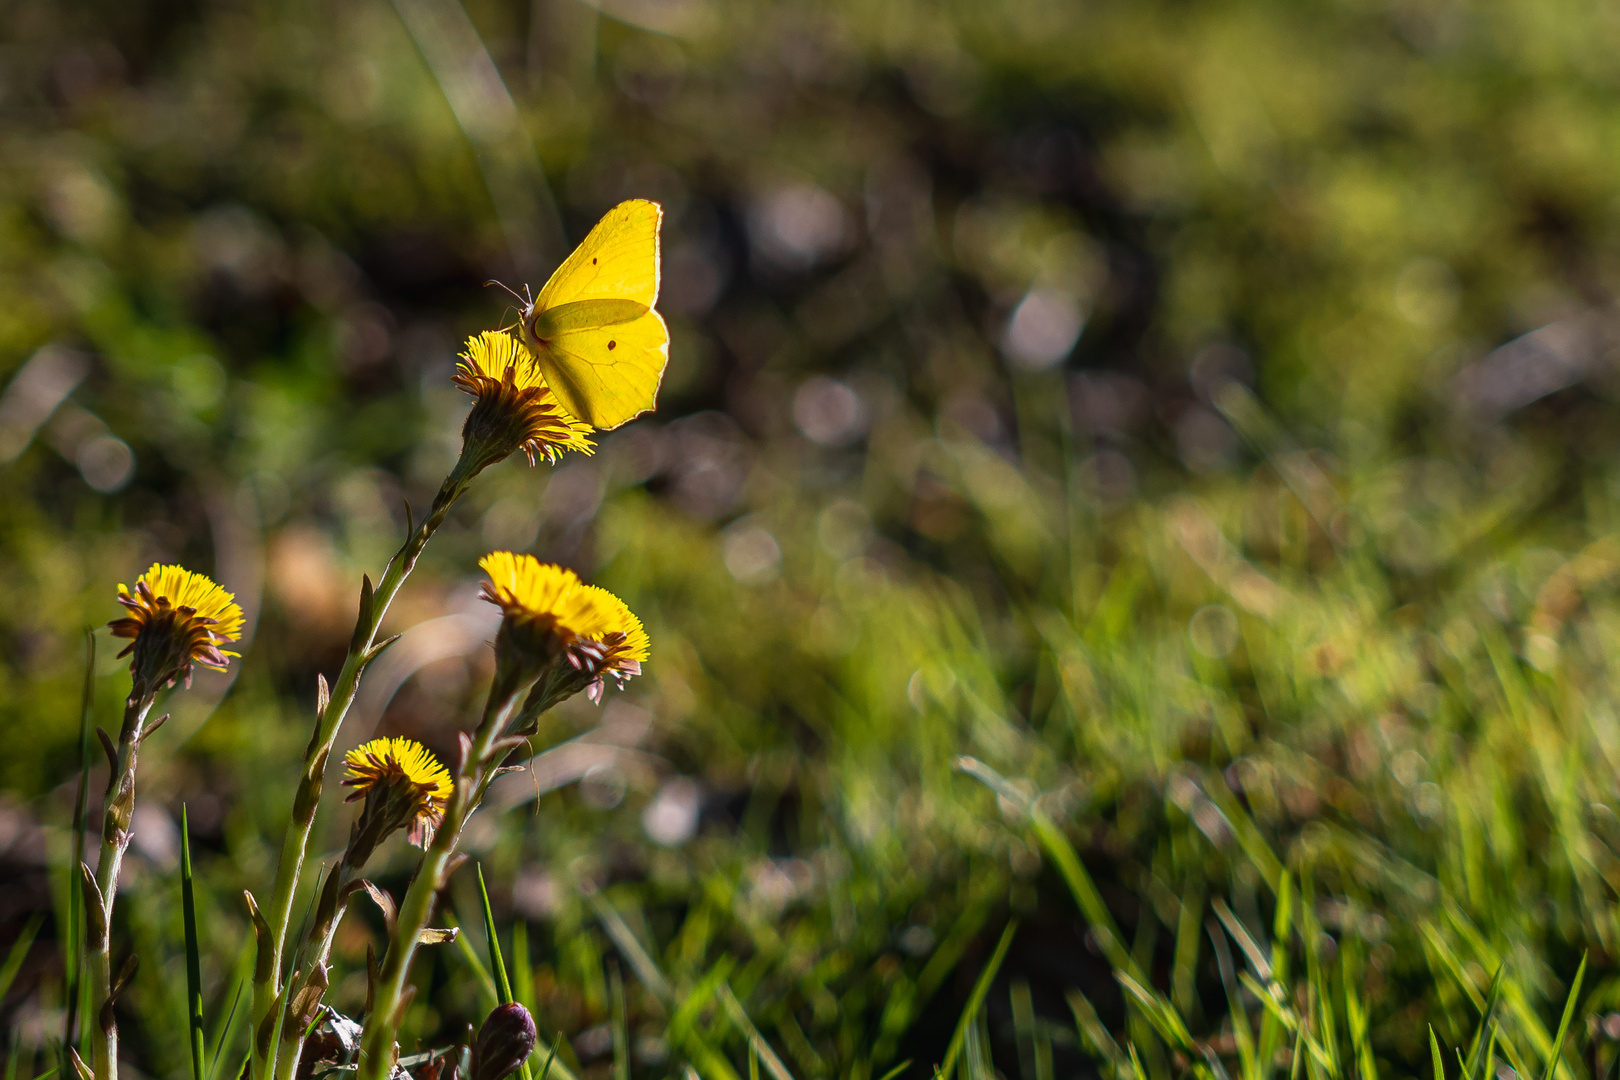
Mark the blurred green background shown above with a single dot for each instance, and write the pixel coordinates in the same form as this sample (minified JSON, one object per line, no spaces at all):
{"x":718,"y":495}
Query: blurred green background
{"x":1201,"y":412}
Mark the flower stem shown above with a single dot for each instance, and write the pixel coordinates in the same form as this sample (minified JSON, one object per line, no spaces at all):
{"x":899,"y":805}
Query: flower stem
{"x":268,"y":1004}
{"x":476,"y":769}
{"x":101,"y":890}
{"x":328,"y":913}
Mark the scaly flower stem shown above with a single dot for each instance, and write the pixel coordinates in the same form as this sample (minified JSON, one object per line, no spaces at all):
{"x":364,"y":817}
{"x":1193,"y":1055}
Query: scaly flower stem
{"x":476,"y":769}
{"x":272,"y":925}
{"x":328,"y":914}
{"x":101,"y":889}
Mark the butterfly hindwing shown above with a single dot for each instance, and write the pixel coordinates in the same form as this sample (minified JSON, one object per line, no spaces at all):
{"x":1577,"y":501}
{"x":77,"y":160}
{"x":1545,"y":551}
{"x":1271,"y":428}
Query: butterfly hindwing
{"x":584,"y":315}
{"x":606,"y":375}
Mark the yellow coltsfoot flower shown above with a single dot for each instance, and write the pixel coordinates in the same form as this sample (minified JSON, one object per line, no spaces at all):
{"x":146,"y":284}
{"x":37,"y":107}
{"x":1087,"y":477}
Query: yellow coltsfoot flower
{"x":403,"y":785}
{"x":515,"y":408}
{"x":177,"y":619}
{"x":551,"y":615}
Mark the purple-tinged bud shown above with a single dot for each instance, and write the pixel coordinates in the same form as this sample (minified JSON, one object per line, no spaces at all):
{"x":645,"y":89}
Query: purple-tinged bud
{"x":504,"y":1042}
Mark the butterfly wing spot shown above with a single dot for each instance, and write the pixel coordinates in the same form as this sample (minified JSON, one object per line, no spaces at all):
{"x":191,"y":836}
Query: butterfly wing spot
{"x":612,"y":344}
{"x":593,"y":262}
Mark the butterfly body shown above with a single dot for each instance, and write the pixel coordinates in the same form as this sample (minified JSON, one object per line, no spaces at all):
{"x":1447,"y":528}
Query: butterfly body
{"x":592,"y":329}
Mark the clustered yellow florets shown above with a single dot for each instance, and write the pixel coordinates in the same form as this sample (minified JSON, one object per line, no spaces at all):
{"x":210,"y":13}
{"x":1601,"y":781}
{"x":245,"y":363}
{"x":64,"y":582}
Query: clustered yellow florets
{"x":176,"y":618}
{"x":515,"y":407}
{"x":589,"y":626}
{"x":401,"y":782}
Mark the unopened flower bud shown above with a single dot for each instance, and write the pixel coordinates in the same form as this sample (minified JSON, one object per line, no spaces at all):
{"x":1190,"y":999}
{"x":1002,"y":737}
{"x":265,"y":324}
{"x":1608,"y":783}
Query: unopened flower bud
{"x":504,"y":1042}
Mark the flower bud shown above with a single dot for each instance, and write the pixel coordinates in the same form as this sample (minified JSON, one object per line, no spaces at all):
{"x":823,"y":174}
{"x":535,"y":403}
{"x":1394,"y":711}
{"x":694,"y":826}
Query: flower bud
{"x":504,"y":1042}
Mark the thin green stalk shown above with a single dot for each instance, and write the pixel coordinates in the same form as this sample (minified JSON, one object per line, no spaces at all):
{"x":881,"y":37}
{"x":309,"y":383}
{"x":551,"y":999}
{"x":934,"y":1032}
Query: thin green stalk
{"x":621,"y":1033}
{"x":225,"y":1025}
{"x":101,"y":888}
{"x":188,"y":905}
{"x":305,"y":989}
{"x":19,"y":952}
{"x":363,"y":648}
{"x":976,"y":999}
{"x":72,"y":991}
{"x":497,"y":963}
{"x":473,"y":775}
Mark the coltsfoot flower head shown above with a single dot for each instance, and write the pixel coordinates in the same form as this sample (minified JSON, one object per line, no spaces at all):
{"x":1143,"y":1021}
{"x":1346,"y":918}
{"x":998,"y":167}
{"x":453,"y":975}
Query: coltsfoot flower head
{"x":557,"y":624}
{"x":403,"y":785}
{"x":176,"y":619}
{"x":515,"y":408}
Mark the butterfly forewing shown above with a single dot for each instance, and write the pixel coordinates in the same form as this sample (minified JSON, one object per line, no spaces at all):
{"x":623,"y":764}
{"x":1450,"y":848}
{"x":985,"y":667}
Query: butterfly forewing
{"x":617,"y":260}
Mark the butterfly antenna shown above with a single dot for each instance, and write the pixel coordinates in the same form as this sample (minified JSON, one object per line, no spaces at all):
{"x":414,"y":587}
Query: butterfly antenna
{"x":515,"y":294}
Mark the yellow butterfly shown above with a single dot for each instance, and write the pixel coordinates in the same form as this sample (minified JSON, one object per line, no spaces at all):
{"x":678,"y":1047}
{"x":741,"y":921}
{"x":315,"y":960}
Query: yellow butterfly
{"x":593,"y":331}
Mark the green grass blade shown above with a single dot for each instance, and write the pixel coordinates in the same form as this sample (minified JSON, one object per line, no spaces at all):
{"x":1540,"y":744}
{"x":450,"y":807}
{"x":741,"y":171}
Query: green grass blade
{"x":621,"y":1033}
{"x":625,"y":939}
{"x":1355,"y":1010}
{"x":1434,"y":1051}
{"x":1094,"y":1036}
{"x":896,"y":1071}
{"x":1184,"y":963}
{"x":488,"y":991}
{"x":522,"y":968}
{"x":976,"y":999}
{"x":1023,"y":1015}
{"x":1085,"y":893}
{"x":1250,"y":1065}
{"x":188,"y":908}
{"x":684,"y":1021}
{"x":1240,"y":934}
{"x":73,"y":961}
{"x":1136,"y":1064}
{"x":1277,"y":1007}
{"x":497,"y":963}
{"x":756,"y":1041}
{"x":1563,"y":1024}
{"x":226,"y":1027}
{"x":1482,"y":1036}
{"x":1158,"y":1013}
{"x":551,"y":1056}
{"x":18,"y":953}
{"x":486,"y":985}
{"x":976,"y":1050}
